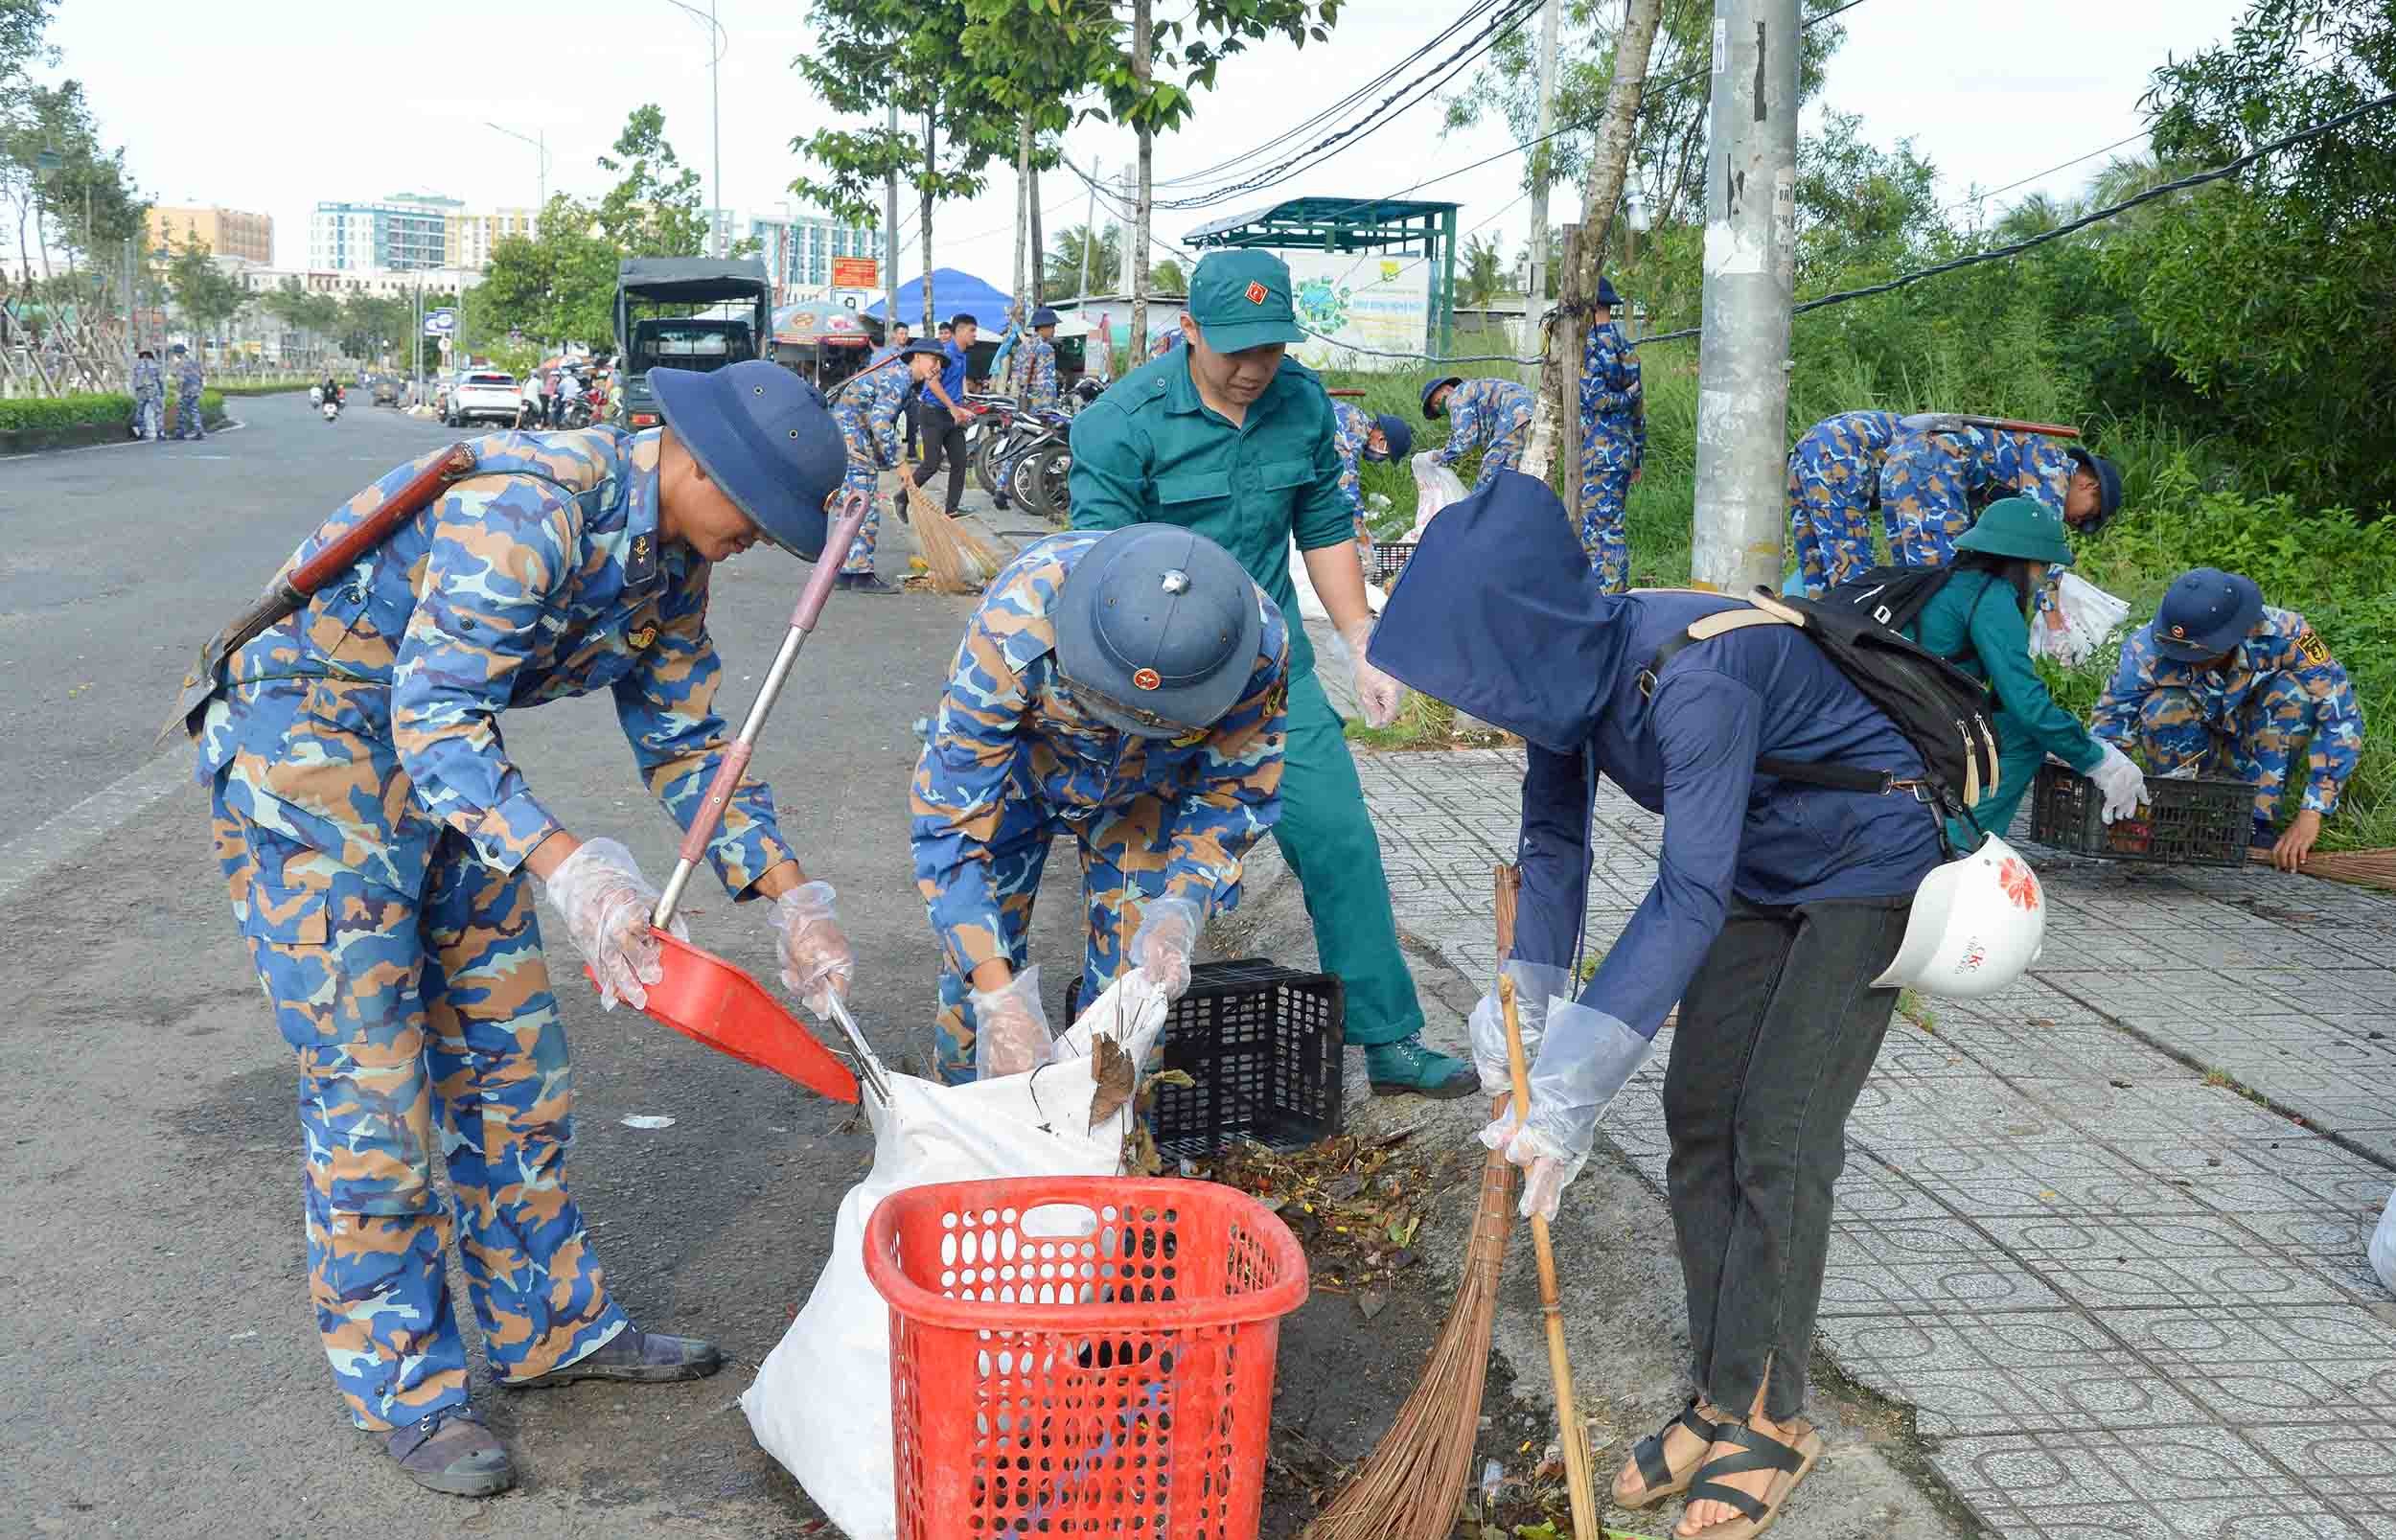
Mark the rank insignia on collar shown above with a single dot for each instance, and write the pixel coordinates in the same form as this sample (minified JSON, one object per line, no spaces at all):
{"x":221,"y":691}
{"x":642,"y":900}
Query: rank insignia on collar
{"x":641,"y":638}
{"x":640,"y":561}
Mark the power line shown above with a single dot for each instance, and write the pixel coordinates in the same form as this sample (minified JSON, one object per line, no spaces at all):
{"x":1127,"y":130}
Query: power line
{"x":2059,"y":166}
{"x":1510,"y":14}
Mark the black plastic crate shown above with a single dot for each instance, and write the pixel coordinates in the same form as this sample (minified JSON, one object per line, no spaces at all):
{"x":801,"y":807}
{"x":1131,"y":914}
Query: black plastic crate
{"x":2199,"y":822}
{"x":1263,"y":1045}
{"x":1387,"y":556}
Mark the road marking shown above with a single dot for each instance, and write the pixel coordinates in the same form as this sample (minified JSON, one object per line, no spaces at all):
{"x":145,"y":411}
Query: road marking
{"x":73,"y":832}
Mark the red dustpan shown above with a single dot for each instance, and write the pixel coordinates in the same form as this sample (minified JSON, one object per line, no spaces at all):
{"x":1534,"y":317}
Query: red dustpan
{"x":702,"y":996}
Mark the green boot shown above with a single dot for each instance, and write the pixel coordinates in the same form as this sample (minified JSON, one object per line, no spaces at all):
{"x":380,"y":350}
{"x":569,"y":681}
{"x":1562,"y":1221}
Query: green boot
{"x":1407,"y":1065}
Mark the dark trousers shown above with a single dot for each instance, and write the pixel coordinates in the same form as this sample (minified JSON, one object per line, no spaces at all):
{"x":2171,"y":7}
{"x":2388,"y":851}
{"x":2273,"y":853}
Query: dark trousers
{"x":943,"y":438}
{"x":1777,"y":1035}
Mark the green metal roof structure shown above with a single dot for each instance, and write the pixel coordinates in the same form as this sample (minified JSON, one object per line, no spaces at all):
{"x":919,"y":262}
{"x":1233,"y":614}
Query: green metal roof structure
{"x":1402,"y":226}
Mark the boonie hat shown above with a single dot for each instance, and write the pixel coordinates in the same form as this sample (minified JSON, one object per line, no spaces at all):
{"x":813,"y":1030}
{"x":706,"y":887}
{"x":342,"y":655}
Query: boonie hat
{"x":2109,"y":478}
{"x":1605,"y":293}
{"x":1043,"y":317}
{"x":765,"y":436}
{"x":1241,"y":300}
{"x":923,"y":347}
{"x":2022,"y":527}
{"x":2204,"y":613}
{"x":1396,"y":430}
{"x":1432,"y":389}
{"x":1156,"y":629}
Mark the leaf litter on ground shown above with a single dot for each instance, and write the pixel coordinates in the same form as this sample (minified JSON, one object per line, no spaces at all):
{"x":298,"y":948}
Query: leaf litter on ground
{"x":1354,"y":1202}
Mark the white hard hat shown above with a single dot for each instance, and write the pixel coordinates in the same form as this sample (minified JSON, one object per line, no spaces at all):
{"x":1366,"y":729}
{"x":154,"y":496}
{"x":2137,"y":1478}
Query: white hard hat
{"x":1977,"y":923}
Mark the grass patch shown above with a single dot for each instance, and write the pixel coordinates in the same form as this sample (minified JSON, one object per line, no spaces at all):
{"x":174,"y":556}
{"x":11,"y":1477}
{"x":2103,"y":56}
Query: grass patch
{"x":52,"y":414}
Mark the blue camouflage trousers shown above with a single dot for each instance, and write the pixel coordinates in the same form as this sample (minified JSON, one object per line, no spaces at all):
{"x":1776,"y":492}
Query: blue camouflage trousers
{"x":1606,"y":466}
{"x":866,"y":479}
{"x":2173,"y":734}
{"x":1833,"y":489}
{"x":187,"y":416}
{"x":1123,"y":858}
{"x":402,"y":1010}
{"x":1510,"y":435}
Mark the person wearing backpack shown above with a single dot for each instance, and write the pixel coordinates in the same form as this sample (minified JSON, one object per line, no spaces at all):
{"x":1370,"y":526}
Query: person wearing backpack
{"x":1777,"y":907}
{"x":1977,"y":618}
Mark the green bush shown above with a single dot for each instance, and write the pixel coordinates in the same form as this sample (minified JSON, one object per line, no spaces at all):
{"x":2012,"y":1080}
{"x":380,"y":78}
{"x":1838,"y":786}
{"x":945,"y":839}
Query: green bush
{"x":96,"y":409}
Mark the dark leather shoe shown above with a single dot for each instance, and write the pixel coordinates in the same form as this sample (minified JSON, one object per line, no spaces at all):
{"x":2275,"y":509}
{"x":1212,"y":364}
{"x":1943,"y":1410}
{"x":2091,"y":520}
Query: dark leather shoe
{"x":450,"y":1451}
{"x":864,"y":582}
{"x":642,"y":1357}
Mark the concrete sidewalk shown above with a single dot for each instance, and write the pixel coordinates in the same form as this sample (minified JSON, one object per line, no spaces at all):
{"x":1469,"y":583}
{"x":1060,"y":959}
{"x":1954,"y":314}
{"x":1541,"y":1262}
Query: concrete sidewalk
{"x":2104,"y":1232}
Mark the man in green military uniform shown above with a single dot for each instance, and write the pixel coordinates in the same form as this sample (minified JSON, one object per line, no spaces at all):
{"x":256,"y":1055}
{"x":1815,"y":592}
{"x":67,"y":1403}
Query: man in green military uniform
{"x":1228,"y":437}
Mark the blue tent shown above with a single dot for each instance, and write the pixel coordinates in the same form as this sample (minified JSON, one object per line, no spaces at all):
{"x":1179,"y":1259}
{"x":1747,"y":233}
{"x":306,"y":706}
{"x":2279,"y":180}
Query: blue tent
{"x":952,"y":291}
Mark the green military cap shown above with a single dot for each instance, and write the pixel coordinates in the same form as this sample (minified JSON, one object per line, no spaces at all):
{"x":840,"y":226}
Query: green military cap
{"x":1241,"y":300}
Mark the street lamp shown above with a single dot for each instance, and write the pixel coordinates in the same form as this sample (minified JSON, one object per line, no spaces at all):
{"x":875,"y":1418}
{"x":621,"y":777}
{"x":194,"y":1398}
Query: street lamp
{"x":715,"y":107}
{"x":540,"y":144}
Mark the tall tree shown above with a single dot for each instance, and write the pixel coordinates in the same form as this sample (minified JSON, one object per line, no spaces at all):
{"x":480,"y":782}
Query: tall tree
{"x":557,"y":285}
{"x":654,"y":209}
{"x":1105,"y":250}
{"x":867,"y":55}
{"x":206,"y":294}
{"x":1483,"y":277}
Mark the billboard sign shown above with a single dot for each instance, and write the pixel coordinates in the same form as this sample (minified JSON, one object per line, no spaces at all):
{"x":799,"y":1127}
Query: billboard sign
{"x":1359,"y":301}
{"x":441,"y":323}
{"x":856,"y":272}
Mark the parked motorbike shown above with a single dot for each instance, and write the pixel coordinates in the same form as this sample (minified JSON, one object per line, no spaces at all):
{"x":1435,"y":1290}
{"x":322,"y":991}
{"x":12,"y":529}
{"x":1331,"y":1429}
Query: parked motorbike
{"x":578,"y":413}
{"x":1036,"y":464}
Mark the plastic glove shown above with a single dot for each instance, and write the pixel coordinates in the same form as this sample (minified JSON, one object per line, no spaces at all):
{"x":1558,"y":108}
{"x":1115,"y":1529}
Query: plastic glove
{"x":2123,"y":784}
{"x":816,"y":962}
{"x":606,"y":904}
{"x":1587,"y":1058}
{"x":1010,"y":1028}
{"x":1377,"y":695}
{"x":1161,"y":947}
{"x":1533,"y":983}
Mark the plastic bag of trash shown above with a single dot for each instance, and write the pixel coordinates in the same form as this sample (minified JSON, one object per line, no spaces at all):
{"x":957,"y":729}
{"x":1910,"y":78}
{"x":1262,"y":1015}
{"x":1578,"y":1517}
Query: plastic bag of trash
{"x":1436,"y":486}
{"x":2090,"y":615}
{"x":1309,"y":603}
{"x":2383,"y":1244}
{"x":820,"y":1403}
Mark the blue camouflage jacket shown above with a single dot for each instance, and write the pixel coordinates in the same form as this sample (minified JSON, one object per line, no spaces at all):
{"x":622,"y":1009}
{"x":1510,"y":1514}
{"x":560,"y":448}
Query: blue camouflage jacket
{"x":1010,"y":752}
{"x":868,"y":409}
{"x":1478,"y":410}
{"x":147,"y":380}
{"x":1039,"y":372}
{"x":2281,"y":644}
{"x":1613,"y":411}
{"x":368,"y":722}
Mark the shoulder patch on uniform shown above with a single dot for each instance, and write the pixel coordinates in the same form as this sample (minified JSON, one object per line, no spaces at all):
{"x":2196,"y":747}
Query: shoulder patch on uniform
{"x":2309,"y":643}
{"x":640,"y":560}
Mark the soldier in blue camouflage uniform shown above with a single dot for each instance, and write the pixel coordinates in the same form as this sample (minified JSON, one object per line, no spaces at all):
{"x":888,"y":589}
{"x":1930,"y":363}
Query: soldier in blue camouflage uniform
{"x":1933,"y":485}
{"x":150,"y":398}
{"x":189,"y":382}
{"x":1358,"y":438}
{"x":867,"y":410}
{"x":1614,"y":442}
{"x":1041,"y":393}
{"x":2222,"y":683}
{"x":377,"y":843}
{"x":1834,"y":494}
{"x":1488,"y":414}
{"x":1130,"y":687}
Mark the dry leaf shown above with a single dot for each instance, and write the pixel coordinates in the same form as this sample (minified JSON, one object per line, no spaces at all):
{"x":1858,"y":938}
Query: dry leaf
{"x":1372,"y":1302}
{"x":1111,"y":1069}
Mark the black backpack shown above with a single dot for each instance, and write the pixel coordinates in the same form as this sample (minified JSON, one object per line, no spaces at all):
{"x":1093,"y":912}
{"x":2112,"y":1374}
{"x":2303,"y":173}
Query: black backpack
{"x":1941,"y":711}
{"x":1895,"y":596}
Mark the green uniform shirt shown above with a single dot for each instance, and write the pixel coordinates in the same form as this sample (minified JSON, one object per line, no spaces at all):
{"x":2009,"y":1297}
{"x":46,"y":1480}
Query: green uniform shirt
{"x":1149,"y":452}
{"x":1974,"y":622}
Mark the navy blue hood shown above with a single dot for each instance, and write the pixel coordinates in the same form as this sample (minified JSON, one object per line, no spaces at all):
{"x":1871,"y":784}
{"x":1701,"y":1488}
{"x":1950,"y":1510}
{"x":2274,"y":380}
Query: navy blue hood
{"x":1498,"y":613}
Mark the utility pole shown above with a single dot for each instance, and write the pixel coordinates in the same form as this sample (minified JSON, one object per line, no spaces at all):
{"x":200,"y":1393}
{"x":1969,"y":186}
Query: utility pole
{"x":1090,"y":228}
{"x":1743,"y":358}
{"x":715,"y":116}
{"x":1136,"y":252}
{"x":128,"y":307}
{"x":889,"y":234}
{"x":1535,"y":299}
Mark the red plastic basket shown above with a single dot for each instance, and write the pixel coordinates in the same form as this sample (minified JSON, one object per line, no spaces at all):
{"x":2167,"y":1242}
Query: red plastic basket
{"x":1081,"y":1355}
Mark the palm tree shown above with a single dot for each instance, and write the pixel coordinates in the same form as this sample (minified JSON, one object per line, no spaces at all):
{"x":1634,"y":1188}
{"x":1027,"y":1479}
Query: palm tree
{"x":1166,"y":278}
{"x":1484,"y":276}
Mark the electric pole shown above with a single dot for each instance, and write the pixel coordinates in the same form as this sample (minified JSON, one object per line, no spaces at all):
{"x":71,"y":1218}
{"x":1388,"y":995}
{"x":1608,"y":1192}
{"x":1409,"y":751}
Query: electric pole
{"x":1135,"y":249}
{"x":1535,"y":297}
{"x":1743,"y":358}
{"x":1090,"y":228}
{"x":889,"y":233}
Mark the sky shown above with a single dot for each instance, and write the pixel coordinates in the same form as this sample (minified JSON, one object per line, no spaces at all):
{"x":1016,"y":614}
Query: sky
{"x":212,"y":113}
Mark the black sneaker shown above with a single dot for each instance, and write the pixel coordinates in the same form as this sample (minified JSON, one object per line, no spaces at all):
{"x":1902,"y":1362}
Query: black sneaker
{"x":642,"y":1357}
{"x":450,"y":1451}
{"x":863,"y":583}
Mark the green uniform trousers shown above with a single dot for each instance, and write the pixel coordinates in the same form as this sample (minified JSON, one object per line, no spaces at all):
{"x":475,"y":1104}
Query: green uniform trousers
{"x":1327,"y":837}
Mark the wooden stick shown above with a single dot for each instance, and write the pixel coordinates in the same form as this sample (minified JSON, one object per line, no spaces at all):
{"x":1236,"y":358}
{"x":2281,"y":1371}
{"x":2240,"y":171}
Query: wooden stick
{"x":1574,"y":1437}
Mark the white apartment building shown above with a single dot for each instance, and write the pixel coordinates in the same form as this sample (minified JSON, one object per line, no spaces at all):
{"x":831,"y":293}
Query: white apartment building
{"x":404,"y":231}
{"x":798,"y":248}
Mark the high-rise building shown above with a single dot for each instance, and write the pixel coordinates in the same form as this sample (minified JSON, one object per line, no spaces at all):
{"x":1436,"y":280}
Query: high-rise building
{"x":225,"y":232}
{"x":797,"y":250}
{"x":403,"y":231}
{"x":470,"y":237}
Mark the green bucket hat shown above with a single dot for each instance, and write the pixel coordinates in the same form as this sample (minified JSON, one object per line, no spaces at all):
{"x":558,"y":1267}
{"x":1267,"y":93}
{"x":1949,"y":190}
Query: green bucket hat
{"x":2021,"y":527}
{"x":1241,"y":300}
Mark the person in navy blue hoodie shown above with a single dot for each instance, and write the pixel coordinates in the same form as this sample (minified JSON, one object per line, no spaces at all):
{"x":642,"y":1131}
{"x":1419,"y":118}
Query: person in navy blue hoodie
{"x":1775,"y":905}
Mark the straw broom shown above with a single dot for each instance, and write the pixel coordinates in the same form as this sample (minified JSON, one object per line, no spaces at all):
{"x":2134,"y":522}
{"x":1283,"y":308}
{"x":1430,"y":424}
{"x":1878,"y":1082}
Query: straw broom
{"x":1408,"y":1488}
{"x":958,"y":560}
{"x":2365,"y":869}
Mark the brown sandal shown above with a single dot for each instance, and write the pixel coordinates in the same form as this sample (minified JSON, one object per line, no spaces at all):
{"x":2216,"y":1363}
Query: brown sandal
{"x":1658,"y":1479}
{"x":1789,"y":1464}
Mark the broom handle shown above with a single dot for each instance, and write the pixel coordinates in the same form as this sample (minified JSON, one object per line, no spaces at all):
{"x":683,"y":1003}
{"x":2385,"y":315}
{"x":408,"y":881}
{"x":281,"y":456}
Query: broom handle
{"x":1576,"y":1477}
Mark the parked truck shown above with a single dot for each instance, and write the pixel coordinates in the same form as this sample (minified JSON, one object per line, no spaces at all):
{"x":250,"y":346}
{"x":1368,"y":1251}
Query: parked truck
{"x":684,"y":312}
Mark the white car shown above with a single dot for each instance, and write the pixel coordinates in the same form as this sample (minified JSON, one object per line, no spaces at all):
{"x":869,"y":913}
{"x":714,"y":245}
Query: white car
{"x":481,"y":394}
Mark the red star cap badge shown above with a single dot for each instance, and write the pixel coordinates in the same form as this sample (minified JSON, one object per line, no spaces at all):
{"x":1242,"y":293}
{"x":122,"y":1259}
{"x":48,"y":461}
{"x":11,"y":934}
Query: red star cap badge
{"x":1147,"y":678}
{"x":1255,"y":293}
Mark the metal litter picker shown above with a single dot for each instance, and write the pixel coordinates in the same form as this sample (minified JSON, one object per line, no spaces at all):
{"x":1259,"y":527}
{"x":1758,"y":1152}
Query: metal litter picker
{"x":702,"y":996}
